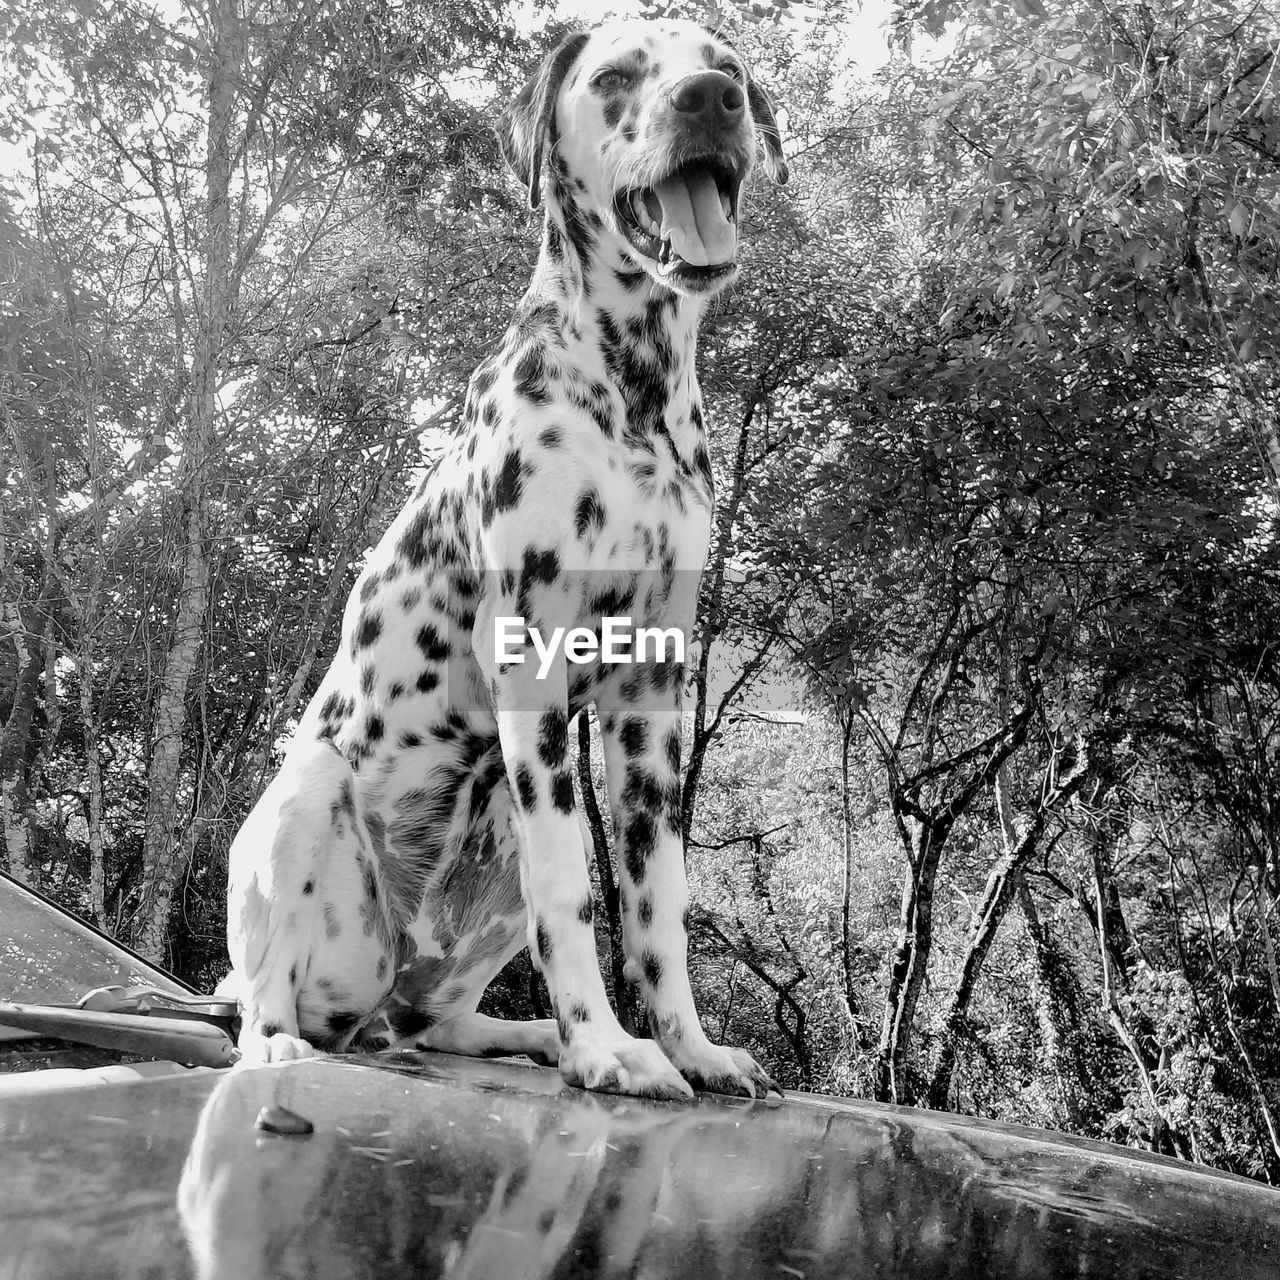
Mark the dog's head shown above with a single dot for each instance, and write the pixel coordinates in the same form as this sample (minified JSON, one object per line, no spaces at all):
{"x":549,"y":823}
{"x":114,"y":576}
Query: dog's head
{"x":651,"y":126}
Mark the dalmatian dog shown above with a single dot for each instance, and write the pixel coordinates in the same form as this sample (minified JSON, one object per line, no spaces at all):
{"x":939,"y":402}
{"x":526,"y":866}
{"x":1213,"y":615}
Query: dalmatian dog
{"x":422,"y":828}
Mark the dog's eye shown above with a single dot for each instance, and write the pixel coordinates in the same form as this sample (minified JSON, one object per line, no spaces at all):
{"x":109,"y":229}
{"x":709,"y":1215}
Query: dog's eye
{"x":733,"y":70}
{"x":611,"y":78}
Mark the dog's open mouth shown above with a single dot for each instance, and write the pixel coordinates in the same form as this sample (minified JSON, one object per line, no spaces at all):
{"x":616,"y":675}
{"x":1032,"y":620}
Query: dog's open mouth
{"x":689,"y":220}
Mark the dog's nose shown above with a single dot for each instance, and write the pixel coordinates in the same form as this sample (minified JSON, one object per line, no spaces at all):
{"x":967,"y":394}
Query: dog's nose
{"x":711,"y":97}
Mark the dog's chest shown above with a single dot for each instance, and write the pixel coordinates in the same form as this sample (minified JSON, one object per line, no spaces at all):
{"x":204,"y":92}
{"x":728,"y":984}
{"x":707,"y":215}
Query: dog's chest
{"x":603,"y":426}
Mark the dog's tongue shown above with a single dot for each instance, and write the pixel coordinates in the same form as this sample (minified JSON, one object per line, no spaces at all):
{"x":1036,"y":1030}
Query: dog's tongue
{"x":693,"y":219}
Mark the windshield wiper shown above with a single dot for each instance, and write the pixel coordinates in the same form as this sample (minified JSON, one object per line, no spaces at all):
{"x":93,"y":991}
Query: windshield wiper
{"x":162,"y":1033}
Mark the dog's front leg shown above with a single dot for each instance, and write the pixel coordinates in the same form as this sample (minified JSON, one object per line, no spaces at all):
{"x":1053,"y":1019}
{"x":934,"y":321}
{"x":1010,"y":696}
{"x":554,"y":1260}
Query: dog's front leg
{"x":641,"y":725}
{"x":596,"y":1053}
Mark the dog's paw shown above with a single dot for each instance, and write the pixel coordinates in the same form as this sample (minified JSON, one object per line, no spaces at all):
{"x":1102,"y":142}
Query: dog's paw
{"x":638,"y":1068}
{"x":717,"y":1068}
{"x":543,"y":1042}
{"x":257,"y":1049}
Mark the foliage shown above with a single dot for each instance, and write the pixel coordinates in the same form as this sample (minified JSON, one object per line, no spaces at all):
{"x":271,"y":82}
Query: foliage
{"x":984,"y":813}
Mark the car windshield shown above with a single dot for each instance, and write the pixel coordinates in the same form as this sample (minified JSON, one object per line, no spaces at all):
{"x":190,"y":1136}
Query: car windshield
{"x":50,"y":957}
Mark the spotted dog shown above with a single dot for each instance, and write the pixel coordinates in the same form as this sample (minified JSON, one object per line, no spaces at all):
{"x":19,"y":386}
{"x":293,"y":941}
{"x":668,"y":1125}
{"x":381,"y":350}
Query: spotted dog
{"x":422,"y":828}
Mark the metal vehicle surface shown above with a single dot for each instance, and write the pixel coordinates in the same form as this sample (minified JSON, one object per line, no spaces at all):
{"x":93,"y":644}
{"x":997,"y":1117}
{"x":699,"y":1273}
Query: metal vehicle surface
{"x":428,"y":1165}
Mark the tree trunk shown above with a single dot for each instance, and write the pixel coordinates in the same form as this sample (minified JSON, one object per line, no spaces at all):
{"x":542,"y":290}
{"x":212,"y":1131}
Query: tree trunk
{"x":713,"y":622}
{"x":16,"y":748}
{"x":1002,"y":883}
{"x":1166,"y":1138}
{"x":910,"y":960}
{"x":856,"y":1030}
{"x":162,"y":849}
{"x":93,"y":776}
{"x":623,"y":993}
{"x":1056,"y":1013}
{"x":926,"y":832}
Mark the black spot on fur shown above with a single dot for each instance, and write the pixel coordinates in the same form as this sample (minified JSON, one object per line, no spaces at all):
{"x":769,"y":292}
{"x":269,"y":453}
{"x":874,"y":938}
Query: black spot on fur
{"x":418,"y":535}
{"x":652,"y":967}
{"x":293,"y":975}
{"x":553,"y":737}
{"x":630,"y":689}
{"x":587,"y":910}
{"x":581,"y":237}
{"x":271,"y":1029}
{"x":613,"y":109}
{"x":309,"y":887}
{"x":368,"y":629}
{"x":426,"y":682}
{"x":544,"y":943}
{"x":551,"y":438}
{"x":644,"y":911}
{"x":435,"y":648}
{"x":578,"y":1012}
{"x":702,"y":464}
{"x":589,"y":513}
{"x":540,"y":568}
{"x":640,"y":840}
{"x":666,"y":675}
{"x":407,"y":1021}
{"x":509,"y":485}
{"x":528,"y":793}
{"x":671,"y":747}
{"x":642,"y":790}
{"x":562,"y":791}
{"x":613,"y":602}
{"x":491,"y":772}
{"x":531,"y":377}
{"x":671,"y":806}
{"x":342,"y":1022}
{"x":634,"y":738}
{"x":368,"y":678}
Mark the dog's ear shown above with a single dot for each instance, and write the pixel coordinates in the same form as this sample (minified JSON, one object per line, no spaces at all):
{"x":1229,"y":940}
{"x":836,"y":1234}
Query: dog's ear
{"x":526,"y":124}
{"x":766,"y":122}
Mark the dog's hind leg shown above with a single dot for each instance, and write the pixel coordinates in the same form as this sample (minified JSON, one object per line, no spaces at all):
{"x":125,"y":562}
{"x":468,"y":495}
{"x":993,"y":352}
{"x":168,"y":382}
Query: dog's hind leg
{"x":474,"y":914}
{"x":308,"y":930}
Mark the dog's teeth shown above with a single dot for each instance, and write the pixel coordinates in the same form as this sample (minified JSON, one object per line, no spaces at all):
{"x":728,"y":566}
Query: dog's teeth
{"x":644,"y":219}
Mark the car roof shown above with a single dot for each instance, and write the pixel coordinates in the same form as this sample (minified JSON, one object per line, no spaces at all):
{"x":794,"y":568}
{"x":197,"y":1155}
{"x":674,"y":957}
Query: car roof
{"x":425,"y":1164}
